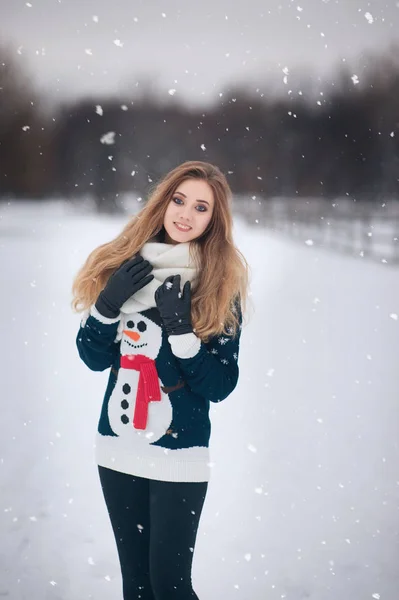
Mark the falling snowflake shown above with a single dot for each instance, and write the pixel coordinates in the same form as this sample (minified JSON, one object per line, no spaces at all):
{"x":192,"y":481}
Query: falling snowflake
{"x":99,"y":109}
{"x":235,"y":356}
{"x":369,"y":17}
{"x":108,"y":138}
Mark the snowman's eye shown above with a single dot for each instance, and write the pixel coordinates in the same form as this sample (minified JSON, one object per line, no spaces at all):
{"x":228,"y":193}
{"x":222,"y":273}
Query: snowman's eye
{"x":141,"y":326}
{"x":130,"y":324}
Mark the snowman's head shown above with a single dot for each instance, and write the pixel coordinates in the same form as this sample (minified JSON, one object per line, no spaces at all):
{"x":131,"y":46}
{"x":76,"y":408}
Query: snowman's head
{"x":142,"y":334}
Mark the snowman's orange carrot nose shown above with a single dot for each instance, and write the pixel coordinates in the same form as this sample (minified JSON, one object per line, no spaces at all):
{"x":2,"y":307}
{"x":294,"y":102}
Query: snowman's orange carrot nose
{"x":132,"y":334}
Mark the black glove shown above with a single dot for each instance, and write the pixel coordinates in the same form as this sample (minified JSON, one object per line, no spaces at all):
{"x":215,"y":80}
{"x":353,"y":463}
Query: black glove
{"x":174,"y":307}
{"x":131,"y":276}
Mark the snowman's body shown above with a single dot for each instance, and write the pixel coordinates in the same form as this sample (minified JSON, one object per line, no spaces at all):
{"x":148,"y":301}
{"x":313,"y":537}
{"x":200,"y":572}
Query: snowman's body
{"x":140,"y":336}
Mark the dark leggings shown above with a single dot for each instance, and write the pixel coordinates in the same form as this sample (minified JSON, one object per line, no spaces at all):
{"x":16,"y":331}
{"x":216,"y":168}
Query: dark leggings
{"x":155,"y":526}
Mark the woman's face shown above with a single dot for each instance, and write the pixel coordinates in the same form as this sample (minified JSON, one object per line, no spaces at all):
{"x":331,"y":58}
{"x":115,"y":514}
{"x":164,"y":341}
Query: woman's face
{"x":189,"y":211}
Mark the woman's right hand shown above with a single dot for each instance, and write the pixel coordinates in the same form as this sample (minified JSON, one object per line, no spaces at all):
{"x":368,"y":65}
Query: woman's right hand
{"x":132,"y":275}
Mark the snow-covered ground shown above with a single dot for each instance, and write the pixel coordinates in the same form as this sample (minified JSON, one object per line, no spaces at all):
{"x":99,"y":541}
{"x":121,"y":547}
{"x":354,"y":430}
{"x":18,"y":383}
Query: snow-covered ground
{"x":304,"y":497}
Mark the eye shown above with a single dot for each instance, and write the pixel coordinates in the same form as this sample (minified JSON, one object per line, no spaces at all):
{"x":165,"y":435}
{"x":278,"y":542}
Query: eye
{"x":141,"y":326}
{"x":130,"y":324}
{"x":177,"y":200}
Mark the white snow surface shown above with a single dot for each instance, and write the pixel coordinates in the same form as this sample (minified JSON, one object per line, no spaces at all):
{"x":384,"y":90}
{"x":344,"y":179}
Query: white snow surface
{"x":304,"y":496}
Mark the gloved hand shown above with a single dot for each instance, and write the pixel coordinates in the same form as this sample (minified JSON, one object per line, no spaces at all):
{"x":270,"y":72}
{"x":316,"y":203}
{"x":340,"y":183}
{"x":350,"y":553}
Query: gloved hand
{"x":132,"y":275}
{"x":174,"y":307}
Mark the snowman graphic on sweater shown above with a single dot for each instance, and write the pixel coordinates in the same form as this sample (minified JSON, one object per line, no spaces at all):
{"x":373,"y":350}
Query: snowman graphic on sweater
{"x":139,"y":411}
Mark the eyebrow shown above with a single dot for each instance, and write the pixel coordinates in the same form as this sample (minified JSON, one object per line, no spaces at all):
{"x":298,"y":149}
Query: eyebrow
{"x":198,"y":200}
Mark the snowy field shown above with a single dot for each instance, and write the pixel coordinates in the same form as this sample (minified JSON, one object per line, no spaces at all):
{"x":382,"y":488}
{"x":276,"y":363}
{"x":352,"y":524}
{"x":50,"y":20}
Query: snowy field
{"x":304,"y":497}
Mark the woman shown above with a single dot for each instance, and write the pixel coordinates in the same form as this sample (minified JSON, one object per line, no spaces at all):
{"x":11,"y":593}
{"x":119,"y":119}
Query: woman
{"x":164,"y":304}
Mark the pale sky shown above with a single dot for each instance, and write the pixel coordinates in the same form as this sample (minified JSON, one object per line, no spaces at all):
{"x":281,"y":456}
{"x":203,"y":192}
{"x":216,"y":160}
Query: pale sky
{"x":75,"y":47}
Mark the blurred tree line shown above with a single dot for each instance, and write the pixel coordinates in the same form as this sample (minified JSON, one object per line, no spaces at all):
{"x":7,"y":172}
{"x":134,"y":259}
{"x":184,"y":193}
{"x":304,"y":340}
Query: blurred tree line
{"x":344,"y":142}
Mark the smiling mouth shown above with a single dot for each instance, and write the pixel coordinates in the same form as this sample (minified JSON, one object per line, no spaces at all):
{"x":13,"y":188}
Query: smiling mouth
{"x":181,"y":227}
{"x":136,"y":346}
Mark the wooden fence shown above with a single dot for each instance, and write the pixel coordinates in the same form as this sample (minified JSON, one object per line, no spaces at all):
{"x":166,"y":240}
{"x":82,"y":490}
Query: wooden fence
{"x":364,"y":229}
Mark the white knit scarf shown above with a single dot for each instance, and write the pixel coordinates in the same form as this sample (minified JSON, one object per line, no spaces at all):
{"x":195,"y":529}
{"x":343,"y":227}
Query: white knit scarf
{"x":166,"y":259}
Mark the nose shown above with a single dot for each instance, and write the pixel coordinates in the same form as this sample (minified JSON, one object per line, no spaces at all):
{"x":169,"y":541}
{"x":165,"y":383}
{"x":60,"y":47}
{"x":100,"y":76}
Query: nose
{"x":132,"y":334}
{"x":185,"y":213}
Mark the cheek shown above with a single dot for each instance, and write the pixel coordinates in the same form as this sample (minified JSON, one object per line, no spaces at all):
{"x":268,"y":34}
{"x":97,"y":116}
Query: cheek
{"x":207,"y":221}
{"x":168,"y":213}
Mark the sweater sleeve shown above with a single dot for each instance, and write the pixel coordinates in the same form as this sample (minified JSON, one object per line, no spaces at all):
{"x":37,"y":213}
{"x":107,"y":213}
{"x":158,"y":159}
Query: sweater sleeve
{"x":210,"y":369}
{"x":96,"y":340}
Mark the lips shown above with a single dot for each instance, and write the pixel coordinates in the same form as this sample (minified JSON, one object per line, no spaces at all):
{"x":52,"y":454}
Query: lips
{"x":182,"y":227}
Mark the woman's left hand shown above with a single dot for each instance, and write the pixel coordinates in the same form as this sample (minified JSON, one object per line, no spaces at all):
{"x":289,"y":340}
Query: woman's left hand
{"x":174,"y":306}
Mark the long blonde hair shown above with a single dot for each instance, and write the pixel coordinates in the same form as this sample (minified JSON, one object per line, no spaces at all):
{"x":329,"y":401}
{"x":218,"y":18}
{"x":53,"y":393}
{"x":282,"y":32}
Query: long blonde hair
{"x":223,"y":272}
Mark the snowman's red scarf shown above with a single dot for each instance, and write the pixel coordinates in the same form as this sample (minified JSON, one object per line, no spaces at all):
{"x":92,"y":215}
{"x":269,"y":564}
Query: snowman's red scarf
{"x":148,"y":389}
